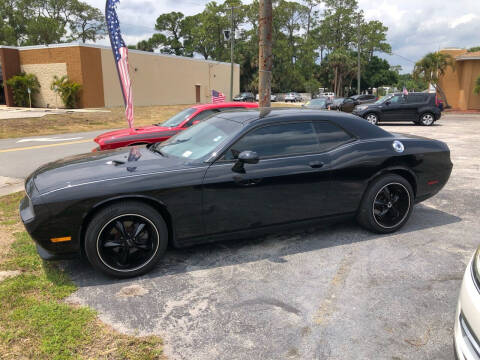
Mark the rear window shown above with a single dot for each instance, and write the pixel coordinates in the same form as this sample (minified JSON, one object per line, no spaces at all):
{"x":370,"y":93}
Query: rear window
{"x":330,"y":136}
{"x":415,"y":99}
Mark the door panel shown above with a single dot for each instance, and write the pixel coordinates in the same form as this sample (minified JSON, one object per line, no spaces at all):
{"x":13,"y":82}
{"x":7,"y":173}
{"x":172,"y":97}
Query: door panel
{"x":274,"y":191}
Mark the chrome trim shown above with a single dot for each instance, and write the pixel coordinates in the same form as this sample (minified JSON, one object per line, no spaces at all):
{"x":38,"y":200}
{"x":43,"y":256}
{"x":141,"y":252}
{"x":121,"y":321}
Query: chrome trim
{"x":469,"y":337}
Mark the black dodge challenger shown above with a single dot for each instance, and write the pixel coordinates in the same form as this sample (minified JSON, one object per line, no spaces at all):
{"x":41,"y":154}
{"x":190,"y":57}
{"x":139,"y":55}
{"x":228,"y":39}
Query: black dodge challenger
{"x":237,"y":174}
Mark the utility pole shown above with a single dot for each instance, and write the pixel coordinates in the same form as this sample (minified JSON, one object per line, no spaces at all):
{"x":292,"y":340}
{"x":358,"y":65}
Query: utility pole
{"x":358,"y":55}
{"x":232,"y":41}
{"x":265,"y":52}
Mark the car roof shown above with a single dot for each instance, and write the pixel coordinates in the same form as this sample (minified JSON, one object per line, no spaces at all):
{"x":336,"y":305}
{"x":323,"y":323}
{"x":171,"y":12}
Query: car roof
{"x":353,"y":124}
{"x":225,"y":105}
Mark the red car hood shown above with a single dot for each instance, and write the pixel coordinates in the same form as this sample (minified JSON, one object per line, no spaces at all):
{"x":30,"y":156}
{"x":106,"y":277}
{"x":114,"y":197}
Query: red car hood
{"x":125,"y":132}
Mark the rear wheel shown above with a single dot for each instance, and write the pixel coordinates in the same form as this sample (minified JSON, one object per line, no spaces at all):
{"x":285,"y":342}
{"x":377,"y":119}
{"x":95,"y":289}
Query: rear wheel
{"x":372,"y":118}
{"x":387,"y":204}
{"x":427,"y":119}
{"x":126,"y":239}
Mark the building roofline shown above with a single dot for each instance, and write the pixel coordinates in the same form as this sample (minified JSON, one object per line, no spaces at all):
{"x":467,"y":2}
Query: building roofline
{"x":63,"y":45}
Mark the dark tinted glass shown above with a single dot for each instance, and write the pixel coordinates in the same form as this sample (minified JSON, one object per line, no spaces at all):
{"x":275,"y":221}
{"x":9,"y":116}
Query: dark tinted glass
{"x":277,"y":140}
{"x":330,"y":136}
{"x":415,"y":99}
{"x":202,"y":116}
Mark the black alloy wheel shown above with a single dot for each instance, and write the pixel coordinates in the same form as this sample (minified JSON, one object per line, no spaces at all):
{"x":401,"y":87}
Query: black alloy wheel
{"x":391,"y":205}
{"x":387,"y":204}
{"x":127,"y":242}
{"x":126,"y":239}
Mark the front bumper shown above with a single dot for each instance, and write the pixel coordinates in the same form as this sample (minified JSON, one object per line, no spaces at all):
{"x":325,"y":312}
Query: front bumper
{"x":42,"y":228}
{"x":467,"y":319}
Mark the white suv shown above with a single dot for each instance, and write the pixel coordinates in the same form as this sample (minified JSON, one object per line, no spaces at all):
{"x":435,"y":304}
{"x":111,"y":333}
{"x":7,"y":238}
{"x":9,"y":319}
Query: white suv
{"x":467,"y":319}
{"x":293,"y":97}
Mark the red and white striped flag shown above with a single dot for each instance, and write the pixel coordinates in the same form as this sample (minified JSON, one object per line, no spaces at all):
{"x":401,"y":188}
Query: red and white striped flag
{"x":120,"y":53}
{"x":217,"y":97}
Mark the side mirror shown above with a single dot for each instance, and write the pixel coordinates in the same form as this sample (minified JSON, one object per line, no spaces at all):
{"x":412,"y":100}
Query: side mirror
{"x":245,"y":157}
{"x":387,"y":102}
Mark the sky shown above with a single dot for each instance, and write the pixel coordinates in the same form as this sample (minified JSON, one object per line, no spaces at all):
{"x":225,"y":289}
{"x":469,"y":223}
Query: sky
{"x":415,"y":27}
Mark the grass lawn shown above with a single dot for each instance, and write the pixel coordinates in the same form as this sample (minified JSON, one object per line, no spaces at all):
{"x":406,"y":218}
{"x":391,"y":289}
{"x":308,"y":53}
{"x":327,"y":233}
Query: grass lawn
{"x":35,"y":322}
{"x":77,"y":122}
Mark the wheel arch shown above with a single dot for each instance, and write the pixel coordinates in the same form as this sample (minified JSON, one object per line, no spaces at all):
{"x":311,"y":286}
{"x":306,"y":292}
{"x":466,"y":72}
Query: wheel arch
{"x":154,"y":203}
{"x":404,"y":172}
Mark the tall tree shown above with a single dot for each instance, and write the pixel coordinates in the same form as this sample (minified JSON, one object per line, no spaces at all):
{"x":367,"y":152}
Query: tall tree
{"x":87,"y":23}
{"x":431,"y":67}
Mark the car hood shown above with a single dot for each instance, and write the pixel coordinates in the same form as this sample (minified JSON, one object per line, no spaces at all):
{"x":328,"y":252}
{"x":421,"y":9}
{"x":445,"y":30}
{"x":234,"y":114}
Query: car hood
{"x":117,"y":134}
{"x":97,"y":166}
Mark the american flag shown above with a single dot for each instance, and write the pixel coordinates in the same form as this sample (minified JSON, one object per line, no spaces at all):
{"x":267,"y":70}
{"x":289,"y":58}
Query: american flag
{"x":120,"y":53}
{"x":217,"y":97}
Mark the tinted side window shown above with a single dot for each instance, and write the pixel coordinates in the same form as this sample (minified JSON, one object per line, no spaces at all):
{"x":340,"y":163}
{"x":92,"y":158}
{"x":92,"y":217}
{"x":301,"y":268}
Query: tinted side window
{"x":277,"y":140}
{"x":415,"y":99}
{"x":397,"y":99}
{"x":202,"y":116}
{"x":330,"y":136}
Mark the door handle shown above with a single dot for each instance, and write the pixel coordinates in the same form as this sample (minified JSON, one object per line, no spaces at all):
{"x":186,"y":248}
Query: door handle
{"x":316,"y":164}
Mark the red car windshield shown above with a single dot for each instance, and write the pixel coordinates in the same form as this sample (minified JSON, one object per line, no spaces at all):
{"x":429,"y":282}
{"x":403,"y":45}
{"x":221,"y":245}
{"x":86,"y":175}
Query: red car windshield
{"x":177,"y":119}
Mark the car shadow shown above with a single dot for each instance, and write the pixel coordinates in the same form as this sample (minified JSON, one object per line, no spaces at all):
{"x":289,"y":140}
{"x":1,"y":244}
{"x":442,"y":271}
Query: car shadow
{"x":271,"y":248}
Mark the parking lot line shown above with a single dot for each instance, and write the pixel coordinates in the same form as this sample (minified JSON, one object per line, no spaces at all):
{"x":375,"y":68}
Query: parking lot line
{"x":45,"y":146}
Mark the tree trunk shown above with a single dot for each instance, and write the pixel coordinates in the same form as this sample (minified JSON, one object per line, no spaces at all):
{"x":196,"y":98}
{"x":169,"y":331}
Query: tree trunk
{"x":442,"y":94}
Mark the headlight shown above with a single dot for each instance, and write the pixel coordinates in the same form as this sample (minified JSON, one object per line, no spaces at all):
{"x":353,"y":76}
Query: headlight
{"x":476,"y":267}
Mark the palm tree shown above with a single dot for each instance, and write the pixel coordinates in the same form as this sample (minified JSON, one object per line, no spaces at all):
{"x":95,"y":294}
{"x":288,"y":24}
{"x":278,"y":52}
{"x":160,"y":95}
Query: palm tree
{"x":476,"y":89}
{"x":432,"y":67}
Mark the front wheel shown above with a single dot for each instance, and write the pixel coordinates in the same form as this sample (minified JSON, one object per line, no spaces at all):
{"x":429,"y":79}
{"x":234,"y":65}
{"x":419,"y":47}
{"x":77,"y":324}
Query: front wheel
{"x":386,"y":205}
{"x":372,"y":118}
{"x":126,"y":239}
{"x":427,"y":119}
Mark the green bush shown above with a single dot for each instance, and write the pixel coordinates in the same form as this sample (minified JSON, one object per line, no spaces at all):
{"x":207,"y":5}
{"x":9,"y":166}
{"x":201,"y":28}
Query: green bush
{"x":67,"y":89}
{"x":20,"y":85}
{"x":476,"y":89}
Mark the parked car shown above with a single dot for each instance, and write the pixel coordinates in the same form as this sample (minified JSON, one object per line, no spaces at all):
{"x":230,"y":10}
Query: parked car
{"x":420,"y":108}
{"x":245,"y":96}
{"x":467,"y":319}
{"x":319,"y":104}
{"x":336,"y":103}
{"x":349,"y":103}
{"x":163,"y":131}
{"x":293,"y":97}
{"x":235,"y":174}
{"x":273,"y":97}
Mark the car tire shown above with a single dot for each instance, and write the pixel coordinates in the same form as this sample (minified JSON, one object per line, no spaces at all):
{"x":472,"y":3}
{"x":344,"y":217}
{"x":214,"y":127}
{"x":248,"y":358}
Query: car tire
{"x":386,"y":205}
{"x":126,"y":239}
{"x":372,"y":118}
{"x":427,"y":119}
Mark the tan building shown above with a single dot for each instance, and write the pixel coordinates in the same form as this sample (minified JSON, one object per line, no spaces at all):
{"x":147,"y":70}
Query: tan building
{"x":458,"y":84}
{"x":157,"y":79}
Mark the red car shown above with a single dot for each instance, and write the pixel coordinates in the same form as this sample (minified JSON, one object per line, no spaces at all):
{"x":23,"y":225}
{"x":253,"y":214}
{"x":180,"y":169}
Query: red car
{"x":161,"y":132}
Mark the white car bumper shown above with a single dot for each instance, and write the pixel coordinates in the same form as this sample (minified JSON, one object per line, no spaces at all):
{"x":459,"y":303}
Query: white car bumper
{"x":467,"y":319}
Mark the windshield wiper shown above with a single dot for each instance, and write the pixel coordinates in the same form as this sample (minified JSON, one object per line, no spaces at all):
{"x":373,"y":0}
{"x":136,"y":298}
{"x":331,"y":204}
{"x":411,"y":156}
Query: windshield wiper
{"x":179,"y":141}
{"x":155,"y":148}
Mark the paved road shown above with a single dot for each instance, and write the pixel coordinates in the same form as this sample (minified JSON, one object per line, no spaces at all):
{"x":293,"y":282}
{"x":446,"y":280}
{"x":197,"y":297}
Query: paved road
{"x":19,"y":157}
{"x":336,"y":292}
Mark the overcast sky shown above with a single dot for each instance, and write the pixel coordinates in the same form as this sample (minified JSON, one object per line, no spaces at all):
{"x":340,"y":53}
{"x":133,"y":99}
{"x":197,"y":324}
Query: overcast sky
{"x":415,"y":27}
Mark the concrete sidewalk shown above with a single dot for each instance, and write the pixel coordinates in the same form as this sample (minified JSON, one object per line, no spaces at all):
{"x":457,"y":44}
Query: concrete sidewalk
{"x":10,"y":185}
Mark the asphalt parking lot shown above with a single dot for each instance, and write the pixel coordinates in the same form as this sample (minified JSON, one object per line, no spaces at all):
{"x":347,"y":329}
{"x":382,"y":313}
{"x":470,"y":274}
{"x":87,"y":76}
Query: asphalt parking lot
{"x":334,"y":292}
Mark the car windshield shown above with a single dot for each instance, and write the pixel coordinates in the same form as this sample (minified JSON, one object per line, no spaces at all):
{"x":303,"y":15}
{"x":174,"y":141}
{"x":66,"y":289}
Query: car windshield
{"x":177,"y":119}
{"x":200,"y":140}
{"x":317,"y":102}
{"x":384,"y":98}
